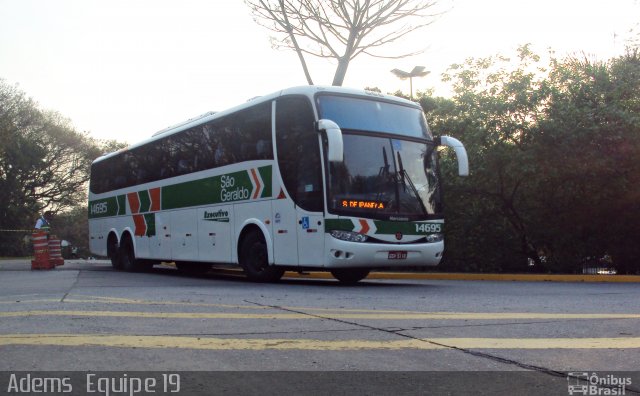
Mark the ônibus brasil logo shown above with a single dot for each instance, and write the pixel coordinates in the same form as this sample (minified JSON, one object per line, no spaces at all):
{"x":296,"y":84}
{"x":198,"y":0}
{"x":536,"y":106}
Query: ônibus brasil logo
{"x":583,"y":383}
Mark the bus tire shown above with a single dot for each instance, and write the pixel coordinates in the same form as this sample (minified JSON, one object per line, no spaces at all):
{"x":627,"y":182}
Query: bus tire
{"x":254,"y":259}
{"x":113,"y":252}
{"x":127,"y":255}
{"x":350,"y":276}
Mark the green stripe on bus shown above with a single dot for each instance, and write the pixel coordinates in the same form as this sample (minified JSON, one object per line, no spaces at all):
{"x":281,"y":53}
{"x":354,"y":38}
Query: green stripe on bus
{"x":145,"y":201}
{"x":231,"y":187}
{"x":103,"y":208}
{"x":227,"y":188}
{"x":387,"y":227}
{"x":150,"y":219}
{"x":339,"y":225}
{"x":265,"y":174}
{"x":407,"y":228}
{"x":122,"y":205}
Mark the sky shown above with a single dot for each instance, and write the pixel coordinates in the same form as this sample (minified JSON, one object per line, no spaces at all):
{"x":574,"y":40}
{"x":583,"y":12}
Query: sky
{"x":124,"y":69}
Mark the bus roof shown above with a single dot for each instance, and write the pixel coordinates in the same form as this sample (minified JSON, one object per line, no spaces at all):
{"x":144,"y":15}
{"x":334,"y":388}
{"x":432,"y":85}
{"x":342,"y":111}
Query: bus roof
{"x":306,"y":90}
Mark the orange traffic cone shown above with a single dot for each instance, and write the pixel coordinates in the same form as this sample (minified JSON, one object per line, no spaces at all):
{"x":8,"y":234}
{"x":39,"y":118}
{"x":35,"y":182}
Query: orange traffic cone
{"x":55,"y":251}
{"x":40,"y":251}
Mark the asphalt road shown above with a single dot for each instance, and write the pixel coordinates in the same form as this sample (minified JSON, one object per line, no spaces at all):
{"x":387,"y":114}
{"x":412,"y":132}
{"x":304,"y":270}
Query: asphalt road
{"x":86,"y":316}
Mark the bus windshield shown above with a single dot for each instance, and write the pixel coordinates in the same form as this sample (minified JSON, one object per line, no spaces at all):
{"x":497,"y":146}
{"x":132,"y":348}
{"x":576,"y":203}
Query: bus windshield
{"x":384,"y":178}
{"x":389,"y":169}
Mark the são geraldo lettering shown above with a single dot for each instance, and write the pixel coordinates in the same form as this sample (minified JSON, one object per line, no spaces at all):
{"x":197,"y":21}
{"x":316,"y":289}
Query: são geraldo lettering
{"x":227,"y":193}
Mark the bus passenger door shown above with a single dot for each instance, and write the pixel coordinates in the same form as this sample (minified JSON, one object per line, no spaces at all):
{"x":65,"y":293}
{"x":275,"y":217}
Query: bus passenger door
{"x":285,"y":236}
{"x":300,"y":166}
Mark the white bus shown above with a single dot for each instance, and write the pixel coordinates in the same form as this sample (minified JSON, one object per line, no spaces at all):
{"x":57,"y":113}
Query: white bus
{"x":306,"y":178}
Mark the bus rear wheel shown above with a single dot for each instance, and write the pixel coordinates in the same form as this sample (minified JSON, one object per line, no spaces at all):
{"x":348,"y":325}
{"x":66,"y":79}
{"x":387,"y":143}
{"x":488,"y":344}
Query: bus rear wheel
{"x":112,"y":252}
{"x":254,"y":259}
{"x":350,"y":276}
{"x":128,"y":260}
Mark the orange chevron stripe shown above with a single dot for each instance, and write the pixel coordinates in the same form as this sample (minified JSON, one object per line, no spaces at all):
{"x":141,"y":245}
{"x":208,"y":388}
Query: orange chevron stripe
{"x":141,"y":226}
{"x":134,"y":202}
{"x":154,"y":193}
{"x":255,"y":178}
{"x":365,"y":226}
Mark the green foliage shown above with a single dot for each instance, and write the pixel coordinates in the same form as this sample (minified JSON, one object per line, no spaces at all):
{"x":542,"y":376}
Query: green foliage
{"x":73,"y":226}
{"x":553,"y":152}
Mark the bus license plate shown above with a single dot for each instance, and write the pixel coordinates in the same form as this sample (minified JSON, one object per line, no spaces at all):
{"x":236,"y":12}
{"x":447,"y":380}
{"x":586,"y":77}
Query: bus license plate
{"x":398,"y":255}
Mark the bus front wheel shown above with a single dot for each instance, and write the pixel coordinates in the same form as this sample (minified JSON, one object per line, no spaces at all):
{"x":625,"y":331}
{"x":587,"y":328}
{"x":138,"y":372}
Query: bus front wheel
{"x":350,"y":276}
{"x":254,"y":259}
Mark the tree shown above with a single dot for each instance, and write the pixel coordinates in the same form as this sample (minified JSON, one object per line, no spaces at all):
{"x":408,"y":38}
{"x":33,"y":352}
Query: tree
{"x":589,"y":146}
{"x":72,"y":226}
{"x":44,"y":164}
{"x":340,"y":29}
{"x":553,"y":150}
{"x":494,"y":111}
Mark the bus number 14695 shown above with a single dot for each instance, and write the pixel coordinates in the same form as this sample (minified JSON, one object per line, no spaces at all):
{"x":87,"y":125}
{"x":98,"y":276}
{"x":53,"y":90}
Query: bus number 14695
{"x":428,"y":227}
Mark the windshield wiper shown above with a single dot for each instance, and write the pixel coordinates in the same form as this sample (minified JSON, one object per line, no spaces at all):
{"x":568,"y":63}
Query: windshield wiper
{"x":406,"y":180}
{"x":383,"y":176}
{"x":384,"y":170}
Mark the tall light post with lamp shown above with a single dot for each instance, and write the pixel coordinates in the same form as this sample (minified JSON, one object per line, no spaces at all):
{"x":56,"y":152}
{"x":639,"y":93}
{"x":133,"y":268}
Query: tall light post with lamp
{"x":417,"y":71}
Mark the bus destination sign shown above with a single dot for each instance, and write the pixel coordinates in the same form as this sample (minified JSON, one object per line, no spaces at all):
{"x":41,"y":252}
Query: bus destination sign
{"x":360,"y":204}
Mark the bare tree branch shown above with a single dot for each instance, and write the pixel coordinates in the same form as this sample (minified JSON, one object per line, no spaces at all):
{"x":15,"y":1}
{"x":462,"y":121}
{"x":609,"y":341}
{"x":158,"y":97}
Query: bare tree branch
{"x":342,"y":29}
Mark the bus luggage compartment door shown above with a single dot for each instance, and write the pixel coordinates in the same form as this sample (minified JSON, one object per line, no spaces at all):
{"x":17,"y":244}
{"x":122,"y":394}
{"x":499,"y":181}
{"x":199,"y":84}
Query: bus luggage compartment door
{"x":160,"y":244}
{"x":310,"y":239}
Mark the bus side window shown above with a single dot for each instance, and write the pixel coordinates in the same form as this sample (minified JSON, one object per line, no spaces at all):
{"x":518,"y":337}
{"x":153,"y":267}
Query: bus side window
{"x":206,"y":151}
{"x":299,"y":152}
{"x":263,"y":148}
{"x":184,"y":166}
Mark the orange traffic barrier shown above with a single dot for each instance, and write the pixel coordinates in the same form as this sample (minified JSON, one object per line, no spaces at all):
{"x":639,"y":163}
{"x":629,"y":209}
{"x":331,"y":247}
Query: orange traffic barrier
{"x":55,"y":251}
{"x":40,"y":252}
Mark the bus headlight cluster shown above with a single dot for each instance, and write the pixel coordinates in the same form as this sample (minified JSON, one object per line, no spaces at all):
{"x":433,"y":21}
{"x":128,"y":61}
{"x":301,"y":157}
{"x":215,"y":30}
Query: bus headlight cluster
{"x":435,"y":238}
{"x":349,"y":236}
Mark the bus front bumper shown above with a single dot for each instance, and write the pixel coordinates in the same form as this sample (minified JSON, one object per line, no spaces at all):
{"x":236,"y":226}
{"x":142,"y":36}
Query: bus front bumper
{"x":344,"y":254}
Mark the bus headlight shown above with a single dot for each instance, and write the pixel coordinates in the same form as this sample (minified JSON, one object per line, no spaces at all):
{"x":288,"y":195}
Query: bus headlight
{"x":349,"y":236}
{"x":435,"y":238}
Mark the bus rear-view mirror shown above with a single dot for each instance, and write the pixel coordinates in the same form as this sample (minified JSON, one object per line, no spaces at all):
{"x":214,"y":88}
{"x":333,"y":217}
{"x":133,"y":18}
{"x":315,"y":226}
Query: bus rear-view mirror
{"x":334,"y":140}
{"x":461,"y":153}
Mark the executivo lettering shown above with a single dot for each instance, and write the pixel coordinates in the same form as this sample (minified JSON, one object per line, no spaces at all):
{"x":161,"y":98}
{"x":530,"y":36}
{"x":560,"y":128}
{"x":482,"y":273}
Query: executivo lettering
{"x":220,"y":216}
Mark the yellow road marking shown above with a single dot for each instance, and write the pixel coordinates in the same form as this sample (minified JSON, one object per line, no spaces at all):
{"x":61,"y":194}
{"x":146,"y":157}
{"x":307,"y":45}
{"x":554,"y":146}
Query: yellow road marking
{"x":542,"y":343}
{"x":158,"y":315}
{"x":334,"y":315}
{"x":45,"y":300}
{"x":116,"y":300}
{"x":208,"y":343}
{"x":165,"y":342}
{"x":167,"y":303}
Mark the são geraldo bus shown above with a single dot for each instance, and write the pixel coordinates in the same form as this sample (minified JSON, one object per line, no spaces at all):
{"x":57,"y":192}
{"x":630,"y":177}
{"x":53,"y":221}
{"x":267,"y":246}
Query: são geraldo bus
{"x":306,"y":178}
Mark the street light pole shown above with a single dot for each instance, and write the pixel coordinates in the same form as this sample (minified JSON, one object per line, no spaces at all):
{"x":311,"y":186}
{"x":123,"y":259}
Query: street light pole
{"x":417,"y":71}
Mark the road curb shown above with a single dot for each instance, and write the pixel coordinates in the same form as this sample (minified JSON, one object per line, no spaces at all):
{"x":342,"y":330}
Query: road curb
{"x":23,"y":264}
{"x":483,"y":277}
